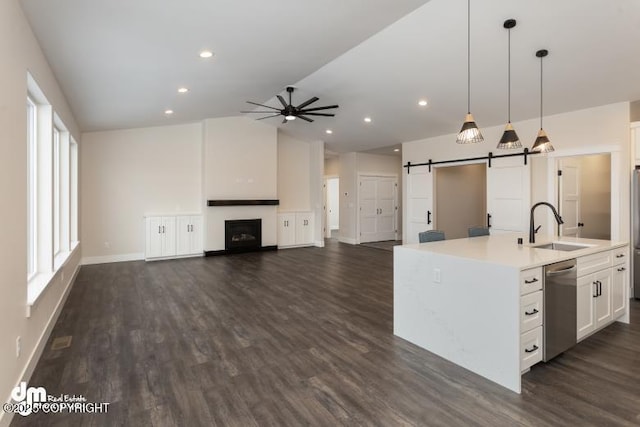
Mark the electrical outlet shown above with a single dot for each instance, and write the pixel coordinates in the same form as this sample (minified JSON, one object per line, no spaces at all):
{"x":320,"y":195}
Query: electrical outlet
{"x":18,"y":346}
{"x":436,"y":275}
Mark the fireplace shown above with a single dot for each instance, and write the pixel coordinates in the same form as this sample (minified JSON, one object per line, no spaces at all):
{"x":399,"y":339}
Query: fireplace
{"x":243,"y":235}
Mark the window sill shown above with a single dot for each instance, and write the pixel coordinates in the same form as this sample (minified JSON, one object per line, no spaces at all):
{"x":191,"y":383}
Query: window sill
{"x":39,"y":282}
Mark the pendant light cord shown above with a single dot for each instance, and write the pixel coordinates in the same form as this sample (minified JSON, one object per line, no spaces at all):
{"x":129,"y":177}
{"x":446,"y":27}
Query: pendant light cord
{"x":541,"y":94}
{"x":509,"y":80}
{"x":469,"y":56}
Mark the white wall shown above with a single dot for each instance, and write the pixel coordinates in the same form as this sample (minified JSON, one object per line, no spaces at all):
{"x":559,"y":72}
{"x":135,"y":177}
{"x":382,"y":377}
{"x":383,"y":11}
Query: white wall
{"x":20,"y":53}
{"x":127,"y":174}
{"x":240,"y":161}
{"x":597,"y":129}
{"x":595,"y":194}
{"x":332,"y":166}
{"x":294,"y":163}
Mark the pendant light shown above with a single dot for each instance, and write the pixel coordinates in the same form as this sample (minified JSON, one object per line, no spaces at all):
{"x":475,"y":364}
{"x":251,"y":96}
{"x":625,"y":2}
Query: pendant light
{"x":542,"y":144}
{"x":469,"y":133}
{"x":509,"y":138}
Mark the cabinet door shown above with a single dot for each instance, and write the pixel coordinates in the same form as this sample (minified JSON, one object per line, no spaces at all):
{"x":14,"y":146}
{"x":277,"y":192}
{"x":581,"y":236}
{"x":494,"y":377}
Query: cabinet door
{"x":304,"y":228}
{"x":603,"y":301}
{"x":386,"y":200}
{"x":586,"y":291}
{"x":196,"y":235}
{"x":619,"y":288}
{"x":419,"y":202}
{"x":153,"y":247}
{"x":183,"y":235}
{"x":286,"y":229}
{"x":168,"y":236}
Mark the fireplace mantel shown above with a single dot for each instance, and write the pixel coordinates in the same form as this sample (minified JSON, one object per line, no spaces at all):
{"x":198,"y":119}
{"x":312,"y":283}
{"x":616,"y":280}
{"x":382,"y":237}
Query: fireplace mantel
{"x":251,"y":202}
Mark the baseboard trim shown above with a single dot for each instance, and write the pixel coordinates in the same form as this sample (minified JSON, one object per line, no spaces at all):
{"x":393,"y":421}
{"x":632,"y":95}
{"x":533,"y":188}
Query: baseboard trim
{"x":319,"y":243}
{"x":240,"y":251}
{"x":6,"y":417}
{"x":111,"y":258}
{"x":347,"y":240}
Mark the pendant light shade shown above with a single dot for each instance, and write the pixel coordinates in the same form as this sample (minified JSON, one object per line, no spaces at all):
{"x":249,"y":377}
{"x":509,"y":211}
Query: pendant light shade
{"x":509,"y":138}
{"x":542,"y":143}
{"x":469,"y":133}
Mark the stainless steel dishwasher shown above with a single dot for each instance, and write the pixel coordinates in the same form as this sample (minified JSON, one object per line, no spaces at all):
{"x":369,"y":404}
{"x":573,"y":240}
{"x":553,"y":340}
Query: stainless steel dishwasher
{"x":559,"y":309}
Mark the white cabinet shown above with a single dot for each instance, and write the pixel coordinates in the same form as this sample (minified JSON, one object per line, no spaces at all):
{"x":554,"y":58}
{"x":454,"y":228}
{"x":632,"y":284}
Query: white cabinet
{"x":531,"y":317}
{"x":189,"y":235}
{"x":160,"y":237}
{"x":170,"y":236}
{"x":601,"y":290}
{"x":295,"y":229}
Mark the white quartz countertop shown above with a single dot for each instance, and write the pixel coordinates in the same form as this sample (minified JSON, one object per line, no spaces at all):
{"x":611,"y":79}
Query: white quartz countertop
{"x":504,"y":249}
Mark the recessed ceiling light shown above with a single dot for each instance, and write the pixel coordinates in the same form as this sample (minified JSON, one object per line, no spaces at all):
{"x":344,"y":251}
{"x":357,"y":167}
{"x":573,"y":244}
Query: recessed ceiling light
{"x":396,"y":149}
{"x":168,"y":112}
{"x":329,"y":131}
{"x":367,"y":119}
{"x":422,"y":103}
{"x":206,"y":54}
{"x":183,"y":90}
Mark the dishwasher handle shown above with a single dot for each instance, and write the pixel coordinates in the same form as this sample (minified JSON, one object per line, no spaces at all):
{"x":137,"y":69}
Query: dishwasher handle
{"x":560,"y":272}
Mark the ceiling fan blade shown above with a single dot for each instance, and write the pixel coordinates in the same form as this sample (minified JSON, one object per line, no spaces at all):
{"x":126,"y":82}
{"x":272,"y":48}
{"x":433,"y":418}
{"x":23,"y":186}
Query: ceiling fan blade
{"x":307,"y":102}
{"x":267,"y":117}
{"x":305,"y":118}
{"x":263,"y":112}
{"x":262,"y":105}
{"x":282,"y":101}
{"x":320,"y":114}
{"x":319,"y":108}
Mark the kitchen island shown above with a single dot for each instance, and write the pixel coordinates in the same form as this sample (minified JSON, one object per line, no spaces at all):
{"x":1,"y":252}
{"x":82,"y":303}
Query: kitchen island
{"x":477,"y":302}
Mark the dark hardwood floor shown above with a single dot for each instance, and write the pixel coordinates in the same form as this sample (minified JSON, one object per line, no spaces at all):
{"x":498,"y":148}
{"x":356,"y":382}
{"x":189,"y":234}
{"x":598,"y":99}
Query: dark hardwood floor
{"x":299,"y":337}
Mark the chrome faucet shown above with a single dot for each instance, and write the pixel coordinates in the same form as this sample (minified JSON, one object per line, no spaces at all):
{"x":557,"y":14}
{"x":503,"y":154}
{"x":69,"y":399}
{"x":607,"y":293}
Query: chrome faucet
{"x":532,"y":229}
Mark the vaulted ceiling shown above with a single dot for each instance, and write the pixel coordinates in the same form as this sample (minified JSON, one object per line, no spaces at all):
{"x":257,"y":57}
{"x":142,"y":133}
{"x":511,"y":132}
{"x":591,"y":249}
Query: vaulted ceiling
{"x":120,"y":62}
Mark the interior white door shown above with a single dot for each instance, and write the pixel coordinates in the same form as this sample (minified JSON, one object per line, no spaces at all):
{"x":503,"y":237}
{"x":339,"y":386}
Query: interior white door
{"x":333,"y":205}
{"x":386,"y":197}
{"x":569,"y":196}
{"x":508,"y":195}
{"x":419,"y":202}
{"x":368,"y":209}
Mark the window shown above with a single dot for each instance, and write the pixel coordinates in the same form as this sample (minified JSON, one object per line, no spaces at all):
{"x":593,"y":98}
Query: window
{"x":56,"y":191}
{"x":52,"y":185}
{"x":31,"y":188}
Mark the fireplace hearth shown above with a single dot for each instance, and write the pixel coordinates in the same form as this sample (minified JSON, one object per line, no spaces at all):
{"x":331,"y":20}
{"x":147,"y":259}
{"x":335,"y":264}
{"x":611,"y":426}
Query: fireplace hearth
{"x":243,"y":235}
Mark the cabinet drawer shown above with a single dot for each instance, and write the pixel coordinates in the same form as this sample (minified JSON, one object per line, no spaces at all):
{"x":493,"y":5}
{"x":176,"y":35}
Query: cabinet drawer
{"x":531,"y":311}
{"x":591,"y":263}
{"x":619,"y":256}
{"x":530,"y":348}
{"x":530,"y":280}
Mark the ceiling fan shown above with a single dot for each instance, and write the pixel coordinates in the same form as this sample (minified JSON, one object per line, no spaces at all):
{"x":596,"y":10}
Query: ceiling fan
{"x":290,"y":111}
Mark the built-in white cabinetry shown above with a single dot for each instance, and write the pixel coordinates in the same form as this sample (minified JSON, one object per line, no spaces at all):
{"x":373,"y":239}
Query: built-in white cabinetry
{"x":189,"y":235}
{"x":531,"y":316}
{"x":295,"y":229}
{"x":170,"y":236}
{"x":601,"y":290}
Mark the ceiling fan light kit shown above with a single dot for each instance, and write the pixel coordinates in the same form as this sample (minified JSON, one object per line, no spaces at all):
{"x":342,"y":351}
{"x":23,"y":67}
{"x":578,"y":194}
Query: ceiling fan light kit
{"x":469,"y":133}
{"x":509,"y":138}
{"x":290,"y":111}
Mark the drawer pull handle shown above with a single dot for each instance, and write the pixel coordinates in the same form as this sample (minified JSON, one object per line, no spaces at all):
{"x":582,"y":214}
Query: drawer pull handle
{"x":534,"y":348}
{"x":531,"y":313}
{"x":620,"y":256}
{"x":528,"y":282}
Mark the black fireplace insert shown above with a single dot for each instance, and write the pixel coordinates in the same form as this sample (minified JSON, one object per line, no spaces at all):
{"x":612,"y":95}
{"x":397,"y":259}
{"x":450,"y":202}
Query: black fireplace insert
{"x":243,"y":235}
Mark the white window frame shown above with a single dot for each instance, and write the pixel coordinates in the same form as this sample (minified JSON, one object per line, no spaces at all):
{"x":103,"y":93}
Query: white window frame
{"x":32,"y":189}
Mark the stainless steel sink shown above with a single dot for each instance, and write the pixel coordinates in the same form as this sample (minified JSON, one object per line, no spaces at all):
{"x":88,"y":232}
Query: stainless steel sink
{"x":562,"y":246}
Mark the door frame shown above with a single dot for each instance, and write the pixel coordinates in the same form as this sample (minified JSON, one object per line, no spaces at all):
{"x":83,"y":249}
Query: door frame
{"x":395,"y":200}
{"x":552,"y":183}
{"x":325,"y":220}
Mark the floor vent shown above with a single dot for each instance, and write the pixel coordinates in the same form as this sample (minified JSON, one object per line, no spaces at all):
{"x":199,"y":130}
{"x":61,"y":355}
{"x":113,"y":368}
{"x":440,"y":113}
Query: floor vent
{"x":61,"y":342}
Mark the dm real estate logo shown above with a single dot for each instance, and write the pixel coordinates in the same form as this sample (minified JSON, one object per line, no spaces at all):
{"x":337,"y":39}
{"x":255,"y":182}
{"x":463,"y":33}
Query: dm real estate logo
{"x":28,"y":400}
